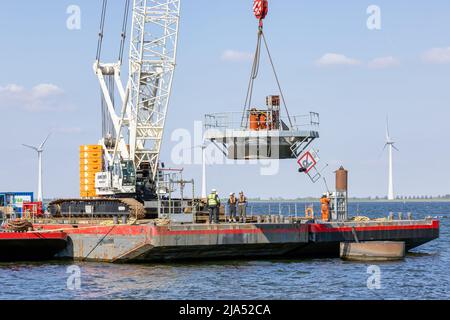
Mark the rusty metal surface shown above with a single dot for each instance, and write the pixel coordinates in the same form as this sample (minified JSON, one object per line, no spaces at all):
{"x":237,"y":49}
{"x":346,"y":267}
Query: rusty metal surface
{"x":149,"y":242}
{"x":342,"y":180}
{"x":231,"y":235}
{"x":206,"y":240}
{"x":374,"y":250}
{"x":100,"y":248}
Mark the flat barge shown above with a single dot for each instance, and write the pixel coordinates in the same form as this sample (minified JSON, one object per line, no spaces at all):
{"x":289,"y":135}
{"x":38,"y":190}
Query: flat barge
{"x":153,"y":242}
{"x":117,"y":235}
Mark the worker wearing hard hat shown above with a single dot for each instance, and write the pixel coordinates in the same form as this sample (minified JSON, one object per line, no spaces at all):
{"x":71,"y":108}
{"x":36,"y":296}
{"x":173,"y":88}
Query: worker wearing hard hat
{"x":325,"y":206}
{"x":213,"y":206}
{"x":242,"y":207}
{"x":232,"y":202}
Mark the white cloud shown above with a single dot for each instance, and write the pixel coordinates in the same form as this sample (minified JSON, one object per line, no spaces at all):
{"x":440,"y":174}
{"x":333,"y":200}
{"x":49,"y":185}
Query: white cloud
{"x":11,"y":88}
{"x":335,"y":59}
{"x":383,"y":63}
{"x":437,"y":56}
{"x":236,"y":56}
{"x":46,"y":90}
{"x":42,"y":97}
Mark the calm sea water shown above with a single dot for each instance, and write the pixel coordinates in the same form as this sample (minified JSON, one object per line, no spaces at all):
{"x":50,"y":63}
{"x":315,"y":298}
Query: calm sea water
{"x":424,"y":274}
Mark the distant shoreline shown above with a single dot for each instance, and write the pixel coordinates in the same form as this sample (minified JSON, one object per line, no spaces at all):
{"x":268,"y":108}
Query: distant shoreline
{"x":354,"y":200}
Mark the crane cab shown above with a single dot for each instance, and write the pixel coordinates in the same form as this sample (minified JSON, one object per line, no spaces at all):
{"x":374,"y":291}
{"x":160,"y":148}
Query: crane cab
{"x":120,"y":180}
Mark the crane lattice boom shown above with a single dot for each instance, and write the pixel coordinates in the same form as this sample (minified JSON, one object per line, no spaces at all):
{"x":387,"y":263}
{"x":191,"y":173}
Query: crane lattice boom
{"x":139,"y":126}
{"x":152,"y":65}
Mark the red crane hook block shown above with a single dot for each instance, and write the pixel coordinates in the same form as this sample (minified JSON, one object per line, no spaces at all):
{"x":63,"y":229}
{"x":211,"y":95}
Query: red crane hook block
{"x":261,"y":9}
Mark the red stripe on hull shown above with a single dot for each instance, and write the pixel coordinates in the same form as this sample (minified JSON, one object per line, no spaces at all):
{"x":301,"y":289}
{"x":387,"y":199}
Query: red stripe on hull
{"x":161,"y":231}
{"x":33,"y":236}
{"x":164,"y":231}
{"x":99,"y":230}
{"x":323,"y":228}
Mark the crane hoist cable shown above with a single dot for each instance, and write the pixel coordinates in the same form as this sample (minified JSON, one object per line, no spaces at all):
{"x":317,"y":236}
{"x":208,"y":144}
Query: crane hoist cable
{"x":102,"y":29}
{"x":277,"y":79}
{"x":106,"y":118}
{"x":261,"y":9}
{"x":254,"y":74}
{"x":124,"y":30}
{"x":123,"y":34}
{"x":107,"y":125}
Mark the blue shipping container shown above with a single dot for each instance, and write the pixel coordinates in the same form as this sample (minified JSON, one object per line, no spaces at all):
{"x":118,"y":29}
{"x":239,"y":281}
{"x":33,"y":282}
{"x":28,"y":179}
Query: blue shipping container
{"x":15,"y":199}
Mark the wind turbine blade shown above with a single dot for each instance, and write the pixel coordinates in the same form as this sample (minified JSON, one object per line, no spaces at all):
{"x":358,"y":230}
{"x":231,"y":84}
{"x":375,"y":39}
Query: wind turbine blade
{"x":381,"y":153}
{"x":395,"y":148}
{"x":31,"y":147}
{"x":45,"y":141}
{"x":388,"y":135}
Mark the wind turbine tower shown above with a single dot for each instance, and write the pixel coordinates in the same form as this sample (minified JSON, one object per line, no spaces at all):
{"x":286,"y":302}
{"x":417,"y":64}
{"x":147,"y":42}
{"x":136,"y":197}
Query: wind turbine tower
{"x":39,"y":151}
{"x":204,"y":195}
{"x":204,"y":186}
{"x":203,"y":147}
{"x":390,"y":144}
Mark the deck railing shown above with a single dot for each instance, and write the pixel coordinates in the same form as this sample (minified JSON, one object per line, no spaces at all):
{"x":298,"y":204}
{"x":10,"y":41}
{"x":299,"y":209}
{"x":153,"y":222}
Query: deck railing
{"x":238,"y":121}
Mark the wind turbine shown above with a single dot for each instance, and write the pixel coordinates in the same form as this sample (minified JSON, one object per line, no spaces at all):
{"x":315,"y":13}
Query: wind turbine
{"x":390,"y":144}
{"x":203,"y":147}
{"x":39,"y":151}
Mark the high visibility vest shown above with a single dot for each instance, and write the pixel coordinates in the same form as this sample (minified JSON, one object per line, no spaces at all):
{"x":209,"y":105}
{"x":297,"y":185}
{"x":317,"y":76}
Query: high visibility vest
{"x":325,"y":206}
{"x":254,"y":122}
{"x":242,"y":199}
{"x":325,"y":202}
{"x":213,"y":200}
{"x":233,"y":200}
{"x":263,"y":121}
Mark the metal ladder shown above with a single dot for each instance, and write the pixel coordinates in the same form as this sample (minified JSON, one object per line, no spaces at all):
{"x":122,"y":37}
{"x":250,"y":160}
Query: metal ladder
{"x":300,"y":146}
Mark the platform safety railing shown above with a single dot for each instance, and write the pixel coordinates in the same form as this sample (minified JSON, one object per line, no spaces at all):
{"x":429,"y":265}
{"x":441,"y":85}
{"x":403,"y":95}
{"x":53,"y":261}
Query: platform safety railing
{"x":233,"y":121}
{"x":176,"y":206}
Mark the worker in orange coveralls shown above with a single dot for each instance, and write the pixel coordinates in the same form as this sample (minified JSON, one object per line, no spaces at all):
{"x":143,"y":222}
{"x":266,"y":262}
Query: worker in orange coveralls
{"x":254,"y":120}
{"x":263,"y":121}
{"x":325,"y":206}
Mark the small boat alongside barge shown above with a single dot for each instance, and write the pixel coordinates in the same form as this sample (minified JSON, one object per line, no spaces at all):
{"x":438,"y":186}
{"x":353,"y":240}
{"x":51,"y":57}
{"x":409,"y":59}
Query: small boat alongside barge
{"x":31,"y":246}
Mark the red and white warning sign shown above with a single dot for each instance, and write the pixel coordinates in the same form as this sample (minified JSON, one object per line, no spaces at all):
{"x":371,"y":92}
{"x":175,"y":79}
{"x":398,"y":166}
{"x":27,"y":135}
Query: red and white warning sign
{"x":308,"y":161}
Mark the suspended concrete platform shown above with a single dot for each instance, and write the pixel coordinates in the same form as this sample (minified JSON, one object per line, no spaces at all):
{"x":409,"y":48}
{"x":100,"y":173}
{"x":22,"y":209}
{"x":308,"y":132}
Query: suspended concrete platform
{"x":229,"y":132}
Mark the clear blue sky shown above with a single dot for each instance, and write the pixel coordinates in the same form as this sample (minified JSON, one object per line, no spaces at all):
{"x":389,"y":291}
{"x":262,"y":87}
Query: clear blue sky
{"x":402,"y":70}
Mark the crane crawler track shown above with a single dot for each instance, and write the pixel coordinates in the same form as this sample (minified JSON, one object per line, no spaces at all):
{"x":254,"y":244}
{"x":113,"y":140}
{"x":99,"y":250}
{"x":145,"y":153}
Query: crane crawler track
{"x":104,"y":207}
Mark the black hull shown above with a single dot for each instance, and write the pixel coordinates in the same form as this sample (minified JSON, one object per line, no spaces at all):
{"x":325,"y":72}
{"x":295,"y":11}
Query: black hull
{"x":13,"y":250}
{"x":197,"y":242}
{"x":320,"y":245}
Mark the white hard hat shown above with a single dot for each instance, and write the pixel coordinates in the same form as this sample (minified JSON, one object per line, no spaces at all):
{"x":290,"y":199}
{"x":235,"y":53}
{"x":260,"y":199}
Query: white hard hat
{"x":213,"y":190}
{"x":231,"y":193}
